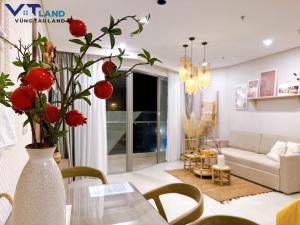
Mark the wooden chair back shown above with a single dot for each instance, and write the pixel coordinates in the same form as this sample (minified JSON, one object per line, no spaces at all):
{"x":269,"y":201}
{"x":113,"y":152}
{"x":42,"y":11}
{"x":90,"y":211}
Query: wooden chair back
{"x":83,"y":172}
{"x":183,"y":189}
{"x":7,"y":196}
{"x":223,"y":220}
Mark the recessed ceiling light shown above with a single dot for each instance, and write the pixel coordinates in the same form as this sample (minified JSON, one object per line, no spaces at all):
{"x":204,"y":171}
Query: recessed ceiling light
{"x":161,"y":2}
{"x":143,"y":20}
{"x":268,"y":42}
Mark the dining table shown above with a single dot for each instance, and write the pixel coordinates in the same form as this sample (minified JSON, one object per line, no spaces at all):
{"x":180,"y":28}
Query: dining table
{"x":88,"y":203}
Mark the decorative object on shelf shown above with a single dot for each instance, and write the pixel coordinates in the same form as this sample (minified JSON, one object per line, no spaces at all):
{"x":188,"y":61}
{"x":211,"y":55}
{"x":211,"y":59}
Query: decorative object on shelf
{"x":241,"y":102}
{"x":39,"y":196}
{"x":268,"y":82}
{"x":185,"y":65}
{"x":204,"y":71}
{"x":288,"y":89}
{"x":253,"y":88}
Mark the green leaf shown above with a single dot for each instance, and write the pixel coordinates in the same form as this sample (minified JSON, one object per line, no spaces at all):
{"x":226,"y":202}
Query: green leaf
{"x":18,"y":63}
{"x":112,"y":22}
{"x":87,"y":100}
{"x":77,"y":41}
{"x":26,"y":122}
{"x":147,"y":54}
{"x":112,"y":41}
{"x":62,"y":133}
{"x":116,"y":31}
{"x":88,"y":37}
{"x":96,"y":45}
{"x":83,"y":48}
{"x":87,"y":64}
{"x":87,"y":72}
{"x":105,"y":30}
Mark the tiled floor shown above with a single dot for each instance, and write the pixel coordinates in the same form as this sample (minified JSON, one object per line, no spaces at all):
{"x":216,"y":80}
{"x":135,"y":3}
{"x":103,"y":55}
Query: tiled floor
{"x":260,"y":208}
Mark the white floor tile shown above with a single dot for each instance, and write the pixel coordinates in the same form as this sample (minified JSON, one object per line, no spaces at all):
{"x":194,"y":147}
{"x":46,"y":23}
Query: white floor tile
{"x":260,"y":208}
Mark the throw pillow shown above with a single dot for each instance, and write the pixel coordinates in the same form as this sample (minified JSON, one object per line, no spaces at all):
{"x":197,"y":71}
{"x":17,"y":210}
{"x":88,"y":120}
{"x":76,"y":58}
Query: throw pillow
{"x":278,"y":149}
{"x":292,"y":148}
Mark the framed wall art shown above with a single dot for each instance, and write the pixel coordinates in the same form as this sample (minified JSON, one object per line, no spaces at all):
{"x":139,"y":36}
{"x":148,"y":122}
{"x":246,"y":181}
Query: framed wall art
{"x":268,"y":83}
{"x":253,"y":88}
{"x":241,"y":100}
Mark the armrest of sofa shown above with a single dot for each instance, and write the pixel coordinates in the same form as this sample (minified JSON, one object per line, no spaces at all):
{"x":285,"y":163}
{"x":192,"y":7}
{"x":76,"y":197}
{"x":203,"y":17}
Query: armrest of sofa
{"x":212,"y":143}
{"x":289,"y":173}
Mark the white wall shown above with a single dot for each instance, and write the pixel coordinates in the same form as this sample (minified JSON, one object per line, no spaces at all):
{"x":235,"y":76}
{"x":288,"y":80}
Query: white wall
{"x":277,"y":116}
{"x":14,"y":157}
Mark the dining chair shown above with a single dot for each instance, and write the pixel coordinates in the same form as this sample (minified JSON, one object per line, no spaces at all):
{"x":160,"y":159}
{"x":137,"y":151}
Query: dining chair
{"x":81,"y":171}
{"x":7,"y":196}
{"x":223,"y":220}
{"x":183,"y":189}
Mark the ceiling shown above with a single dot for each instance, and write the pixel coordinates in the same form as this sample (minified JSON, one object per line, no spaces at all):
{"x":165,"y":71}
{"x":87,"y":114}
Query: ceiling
{"x":230,"y":39}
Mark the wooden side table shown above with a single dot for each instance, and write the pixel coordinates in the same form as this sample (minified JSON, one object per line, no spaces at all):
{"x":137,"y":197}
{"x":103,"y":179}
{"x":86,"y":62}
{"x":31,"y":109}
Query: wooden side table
{"x":204,"y":164}
{"x":221,"y":175}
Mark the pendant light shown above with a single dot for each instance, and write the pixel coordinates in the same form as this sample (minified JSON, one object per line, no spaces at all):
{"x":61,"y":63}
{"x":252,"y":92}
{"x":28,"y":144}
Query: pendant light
{"x":204,"y":71}
{"x":191,"y":83}
{"x":185,"y":65}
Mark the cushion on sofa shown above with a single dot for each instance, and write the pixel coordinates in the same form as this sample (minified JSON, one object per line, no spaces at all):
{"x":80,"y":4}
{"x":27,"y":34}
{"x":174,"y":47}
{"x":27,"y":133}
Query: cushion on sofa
{"x":251,"y":159}
{"x":278,"y":149}
{"x":268,"y":141}
{"x":249,"y":141}
{"x":292,"y":148}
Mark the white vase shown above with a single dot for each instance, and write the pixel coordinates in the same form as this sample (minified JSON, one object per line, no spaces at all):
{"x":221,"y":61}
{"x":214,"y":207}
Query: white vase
{"x":40,"y":196}
{"x":221,"y":161}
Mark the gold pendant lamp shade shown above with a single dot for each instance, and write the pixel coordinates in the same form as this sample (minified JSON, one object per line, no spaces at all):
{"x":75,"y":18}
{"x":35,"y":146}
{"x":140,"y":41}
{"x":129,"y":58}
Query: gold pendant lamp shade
{"x":204,"y":72}
{"x":191,"y":83}
{"x":185,"y":66}
{"x":194,"y":78}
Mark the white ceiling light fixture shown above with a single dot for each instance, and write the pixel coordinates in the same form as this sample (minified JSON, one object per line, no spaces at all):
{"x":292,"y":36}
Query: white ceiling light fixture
{"x":268,"y":42}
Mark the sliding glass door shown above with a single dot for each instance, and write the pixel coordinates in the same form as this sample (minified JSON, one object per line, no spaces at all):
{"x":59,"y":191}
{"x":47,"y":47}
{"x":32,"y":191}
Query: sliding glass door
{"x":137,"y":123}
{"x":116,"y":116}
{"x":144,"y":121}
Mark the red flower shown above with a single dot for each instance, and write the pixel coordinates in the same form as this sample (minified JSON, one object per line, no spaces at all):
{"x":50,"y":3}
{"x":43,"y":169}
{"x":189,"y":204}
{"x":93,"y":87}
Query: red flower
{"x":75,"y":118}
{"x":23,"y":98}
{"x":77,"y":27}
{"x":51,"y":113}
{"x":103,"y":89}
{"x":39,"y":79}
{"x":107,"y":67}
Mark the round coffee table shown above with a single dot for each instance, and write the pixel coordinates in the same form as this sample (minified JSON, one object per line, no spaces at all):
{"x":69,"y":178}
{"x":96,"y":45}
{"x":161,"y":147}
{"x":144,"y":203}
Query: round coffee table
{"x":221,"y":175}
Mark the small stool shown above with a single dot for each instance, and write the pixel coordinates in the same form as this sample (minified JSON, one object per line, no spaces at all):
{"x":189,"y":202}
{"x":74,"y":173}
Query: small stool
{"x":221,"y":175}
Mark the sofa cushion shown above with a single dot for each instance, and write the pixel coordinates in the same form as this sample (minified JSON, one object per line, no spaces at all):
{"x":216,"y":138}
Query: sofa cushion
{"x":268,"y":141}
{"x":278,"y":149}
{"x":249,"y":141}
{"x":251,"y":159}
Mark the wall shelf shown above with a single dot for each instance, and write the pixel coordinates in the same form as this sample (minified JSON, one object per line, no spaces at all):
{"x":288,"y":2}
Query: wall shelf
{"x":274,"y":97}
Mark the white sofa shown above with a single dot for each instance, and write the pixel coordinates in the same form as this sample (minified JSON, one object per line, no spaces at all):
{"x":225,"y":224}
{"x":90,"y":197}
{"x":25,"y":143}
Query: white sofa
{"x":246,"y":155}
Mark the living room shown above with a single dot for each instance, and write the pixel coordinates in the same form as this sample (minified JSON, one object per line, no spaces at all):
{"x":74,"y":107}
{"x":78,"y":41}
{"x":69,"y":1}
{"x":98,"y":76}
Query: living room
{"x":149,"y":112}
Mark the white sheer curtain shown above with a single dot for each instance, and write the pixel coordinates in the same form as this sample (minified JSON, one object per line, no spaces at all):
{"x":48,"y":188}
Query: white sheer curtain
{"x":91,"y":139}
{"x":175,"y":107}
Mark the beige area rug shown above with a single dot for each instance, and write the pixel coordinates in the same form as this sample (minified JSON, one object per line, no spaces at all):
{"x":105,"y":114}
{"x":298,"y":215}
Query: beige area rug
{"x":238,"y":188}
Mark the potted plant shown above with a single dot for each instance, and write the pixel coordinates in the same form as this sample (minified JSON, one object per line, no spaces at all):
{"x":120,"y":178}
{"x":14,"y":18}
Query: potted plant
{"x":39,"y":196}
